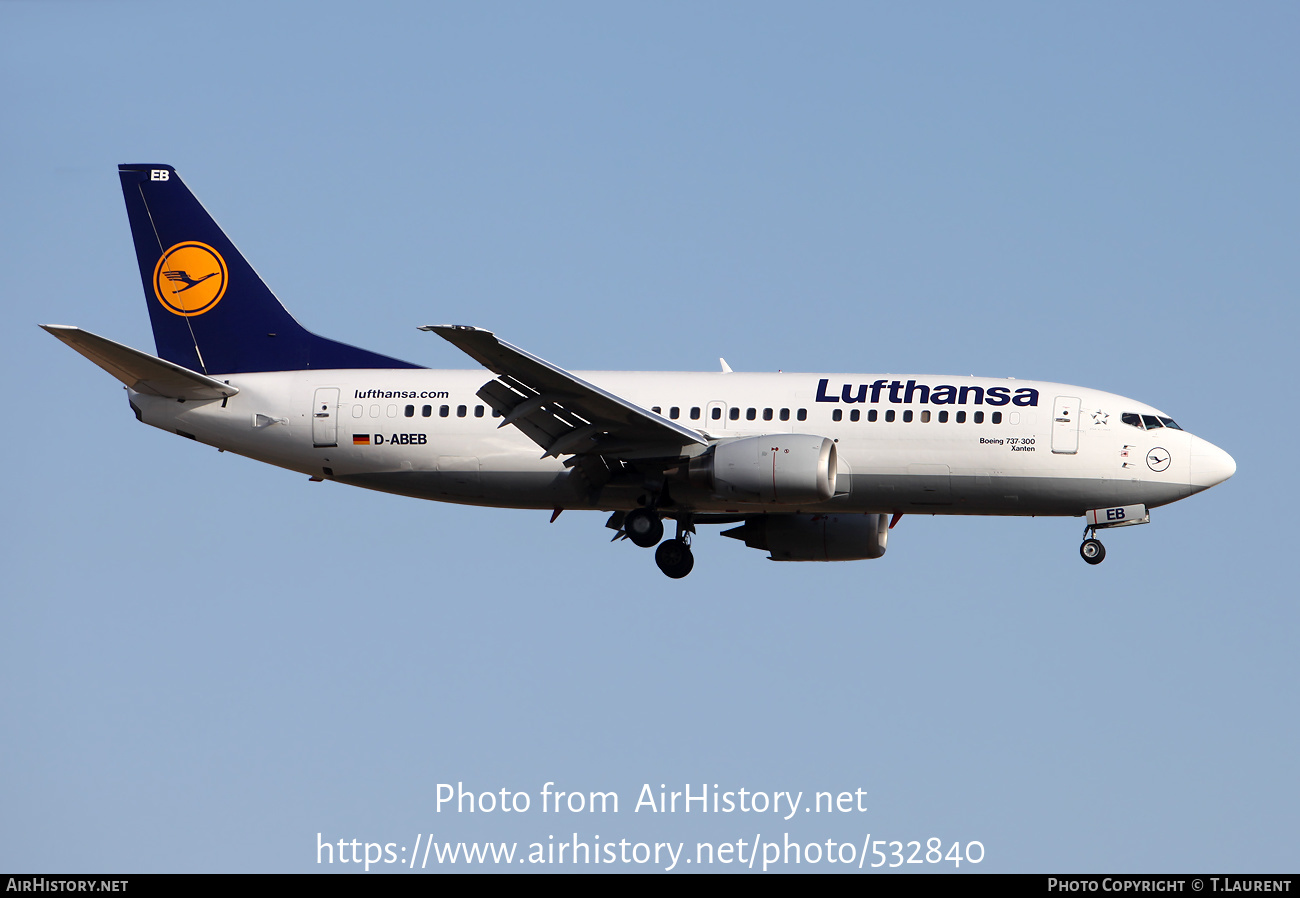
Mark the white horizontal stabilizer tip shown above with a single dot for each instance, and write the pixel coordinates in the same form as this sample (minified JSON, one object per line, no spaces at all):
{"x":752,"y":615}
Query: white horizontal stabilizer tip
{"x":140,"y":371}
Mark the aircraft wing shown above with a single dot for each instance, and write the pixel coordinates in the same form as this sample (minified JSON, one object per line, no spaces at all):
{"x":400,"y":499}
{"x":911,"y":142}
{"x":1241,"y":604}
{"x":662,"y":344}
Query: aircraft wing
{"x":562,"y":413}
{"x":140,"y":371}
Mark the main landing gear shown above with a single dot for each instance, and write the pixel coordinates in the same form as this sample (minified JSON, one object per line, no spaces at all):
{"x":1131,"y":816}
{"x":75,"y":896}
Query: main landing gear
{"x":675,"y":558}
{"x":644,"y":528}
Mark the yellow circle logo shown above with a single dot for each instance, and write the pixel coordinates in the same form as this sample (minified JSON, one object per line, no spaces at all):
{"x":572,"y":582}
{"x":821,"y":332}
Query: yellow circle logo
{"x":190,"y":278}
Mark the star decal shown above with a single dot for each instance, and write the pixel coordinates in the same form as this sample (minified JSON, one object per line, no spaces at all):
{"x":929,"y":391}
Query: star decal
{"x":1099,"y":417}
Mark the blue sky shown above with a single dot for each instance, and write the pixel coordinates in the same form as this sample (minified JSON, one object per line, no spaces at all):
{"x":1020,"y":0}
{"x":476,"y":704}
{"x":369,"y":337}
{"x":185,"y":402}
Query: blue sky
{"x":209,"y":661}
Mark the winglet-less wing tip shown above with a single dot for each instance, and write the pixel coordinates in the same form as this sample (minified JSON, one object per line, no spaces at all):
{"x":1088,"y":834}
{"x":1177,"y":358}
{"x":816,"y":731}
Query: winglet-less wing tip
{"x":446,"y":328}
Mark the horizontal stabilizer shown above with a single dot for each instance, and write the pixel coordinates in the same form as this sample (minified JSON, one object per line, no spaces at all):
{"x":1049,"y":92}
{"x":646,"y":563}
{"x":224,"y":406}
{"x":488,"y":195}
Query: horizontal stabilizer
{"x":140,"y":371}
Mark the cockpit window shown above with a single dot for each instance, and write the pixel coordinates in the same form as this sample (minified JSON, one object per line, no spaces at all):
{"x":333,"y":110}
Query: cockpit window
{"x":1148,"y":422}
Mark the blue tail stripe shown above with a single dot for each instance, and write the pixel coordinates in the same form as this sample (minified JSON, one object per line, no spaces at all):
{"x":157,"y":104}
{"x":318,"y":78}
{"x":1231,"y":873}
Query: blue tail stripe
{"x":245,"y":328}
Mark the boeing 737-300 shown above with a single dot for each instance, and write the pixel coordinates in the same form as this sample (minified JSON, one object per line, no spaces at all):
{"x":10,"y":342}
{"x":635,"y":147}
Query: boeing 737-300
{"x":807,"y":467}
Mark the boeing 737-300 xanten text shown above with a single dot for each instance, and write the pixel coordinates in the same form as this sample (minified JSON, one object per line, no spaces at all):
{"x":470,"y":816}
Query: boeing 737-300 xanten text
{"x":807,"y":467}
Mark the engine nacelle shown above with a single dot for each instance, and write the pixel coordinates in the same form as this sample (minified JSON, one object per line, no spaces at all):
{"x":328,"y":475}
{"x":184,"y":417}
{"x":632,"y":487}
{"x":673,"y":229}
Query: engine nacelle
{"x":815,"y":537}
{"x":777,"y":468}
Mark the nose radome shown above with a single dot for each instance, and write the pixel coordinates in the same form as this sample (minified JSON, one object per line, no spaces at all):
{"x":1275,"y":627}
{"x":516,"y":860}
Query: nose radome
{"x":1210,"y":464}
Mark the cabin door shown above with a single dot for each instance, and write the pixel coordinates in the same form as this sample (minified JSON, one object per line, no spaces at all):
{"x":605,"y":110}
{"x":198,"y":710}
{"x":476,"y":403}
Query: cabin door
{"x":1065,"y":425}
{"x":325,"y":418}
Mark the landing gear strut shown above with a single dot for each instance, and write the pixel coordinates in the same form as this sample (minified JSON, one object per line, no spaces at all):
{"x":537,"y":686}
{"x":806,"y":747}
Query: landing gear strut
{"x":1092,"y":550}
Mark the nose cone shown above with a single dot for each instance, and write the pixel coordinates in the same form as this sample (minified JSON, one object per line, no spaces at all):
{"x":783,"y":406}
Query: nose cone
{"x":1210,"y":465}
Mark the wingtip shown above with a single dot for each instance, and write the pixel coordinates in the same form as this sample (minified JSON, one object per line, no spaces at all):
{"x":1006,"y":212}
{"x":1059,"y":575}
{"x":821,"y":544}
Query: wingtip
{"x":445,"y":328}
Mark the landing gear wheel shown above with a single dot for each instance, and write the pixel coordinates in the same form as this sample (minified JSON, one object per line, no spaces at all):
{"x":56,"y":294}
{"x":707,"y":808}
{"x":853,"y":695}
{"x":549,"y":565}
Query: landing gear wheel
{"x":643,"y":527}
{"x":1093,"y":551}
{"x":674,"y":558}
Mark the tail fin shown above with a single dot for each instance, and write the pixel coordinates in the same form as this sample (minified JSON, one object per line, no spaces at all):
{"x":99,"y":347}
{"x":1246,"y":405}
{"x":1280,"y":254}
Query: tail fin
{"x":209,"y":309}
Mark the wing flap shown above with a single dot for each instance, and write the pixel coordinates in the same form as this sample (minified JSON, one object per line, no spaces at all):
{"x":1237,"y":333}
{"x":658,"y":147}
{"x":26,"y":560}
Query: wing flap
{"x":140,"y":371}
{"x":562,"y":413}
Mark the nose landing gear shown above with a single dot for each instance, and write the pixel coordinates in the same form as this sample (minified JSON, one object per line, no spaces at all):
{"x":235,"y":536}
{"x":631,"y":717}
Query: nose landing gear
{"x":1093,"y":551}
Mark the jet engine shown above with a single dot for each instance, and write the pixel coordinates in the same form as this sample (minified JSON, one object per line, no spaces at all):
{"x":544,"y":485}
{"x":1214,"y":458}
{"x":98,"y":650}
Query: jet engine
{"x":778,"y":468}
{"x":815,"y":537}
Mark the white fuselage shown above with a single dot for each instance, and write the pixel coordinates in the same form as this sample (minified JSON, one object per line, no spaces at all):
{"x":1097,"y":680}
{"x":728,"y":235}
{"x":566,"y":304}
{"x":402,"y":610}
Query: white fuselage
{"x":938,"y":444}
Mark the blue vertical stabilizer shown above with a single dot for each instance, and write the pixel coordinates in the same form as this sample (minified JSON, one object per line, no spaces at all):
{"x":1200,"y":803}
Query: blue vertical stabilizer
{"x":210,"y":310}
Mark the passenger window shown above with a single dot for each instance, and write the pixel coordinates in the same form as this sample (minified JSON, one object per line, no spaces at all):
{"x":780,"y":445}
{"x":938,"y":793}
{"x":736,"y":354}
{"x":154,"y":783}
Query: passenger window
{"x":803,"y":414}
{"x":460,"y":411}
{"x":889,"y":416}
{"x":478,"y":411}
{"x":358,"y":411}
{"x":943,"y":417}
{"x":426,"y":411}
{"x":657,"y":410}
{"x":855,"y":415}
{"x":695,"y":413}
{"x":751,"y":414}
{"x":979,"y":417}
{"x":872,"y":415}
{"x":392,"y":411}
{"x":495,"y":413}
{"x":717,"y":414}
{"x":907,"y":416}
{"x":961,"y":417}
{"x":444,"y":411}
{"x":674,"y":413}
{"x":837,"y":415}
{"x":997,"y":417}
{"x":925,"y":416}
{"x":374,"y":411}
{"x":410,"y":411}
{"x":767,"y":414}
{"x":734,"y":414}
{"x":785,"y":414}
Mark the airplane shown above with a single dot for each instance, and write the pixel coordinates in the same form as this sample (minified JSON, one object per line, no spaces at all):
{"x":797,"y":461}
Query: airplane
{"x":807,"y":467}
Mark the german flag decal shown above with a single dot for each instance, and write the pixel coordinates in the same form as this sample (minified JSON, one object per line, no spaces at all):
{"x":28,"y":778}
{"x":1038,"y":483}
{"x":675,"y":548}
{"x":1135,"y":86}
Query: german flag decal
{"x":360,"y":439}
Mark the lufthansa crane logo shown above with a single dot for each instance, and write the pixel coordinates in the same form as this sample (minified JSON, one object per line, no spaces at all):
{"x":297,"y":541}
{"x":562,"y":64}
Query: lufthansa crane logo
{"x":190,"y":278}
